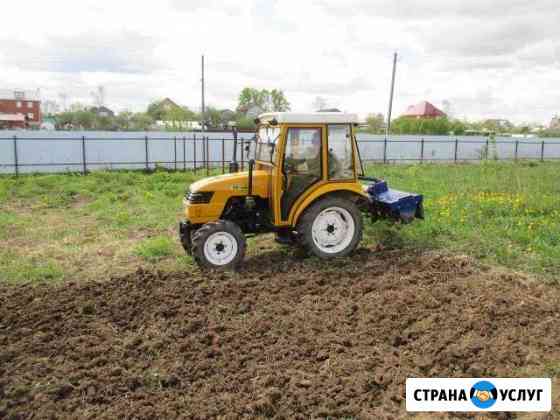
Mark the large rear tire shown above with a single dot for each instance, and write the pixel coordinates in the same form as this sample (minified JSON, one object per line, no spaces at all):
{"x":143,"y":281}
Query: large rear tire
{"x":219,"y":245}
{"x":331,"y":227}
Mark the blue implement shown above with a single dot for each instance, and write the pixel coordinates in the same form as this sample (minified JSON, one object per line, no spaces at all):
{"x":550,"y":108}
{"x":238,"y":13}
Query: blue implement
{"x":397,"y":205}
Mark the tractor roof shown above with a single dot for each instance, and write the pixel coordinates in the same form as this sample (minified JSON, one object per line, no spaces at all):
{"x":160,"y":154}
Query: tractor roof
{"x":309,"y":117}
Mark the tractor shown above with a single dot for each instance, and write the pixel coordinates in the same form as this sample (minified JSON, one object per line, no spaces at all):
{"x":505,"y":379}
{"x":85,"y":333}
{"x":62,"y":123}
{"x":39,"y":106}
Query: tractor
{"x":305,"y":183}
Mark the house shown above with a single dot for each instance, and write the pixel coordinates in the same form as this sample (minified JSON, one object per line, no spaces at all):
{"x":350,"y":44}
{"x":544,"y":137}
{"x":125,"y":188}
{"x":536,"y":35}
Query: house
{"x":177,"y":125}
{"x":102,"y":111}
{"x":168,"y":105}
{"x":251,"y":111}
{"x":20,"y":109}
{"x":12,"y":121}
{"x":555,"y":123}
{"x":423,"y":110}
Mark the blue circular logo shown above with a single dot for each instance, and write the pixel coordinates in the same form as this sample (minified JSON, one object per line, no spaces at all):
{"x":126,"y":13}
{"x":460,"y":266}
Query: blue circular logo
{"x":483,"y":394}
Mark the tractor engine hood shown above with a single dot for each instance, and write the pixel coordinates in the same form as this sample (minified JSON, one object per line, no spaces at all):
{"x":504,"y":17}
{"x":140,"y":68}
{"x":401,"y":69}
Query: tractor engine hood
{"x":236,"y":184}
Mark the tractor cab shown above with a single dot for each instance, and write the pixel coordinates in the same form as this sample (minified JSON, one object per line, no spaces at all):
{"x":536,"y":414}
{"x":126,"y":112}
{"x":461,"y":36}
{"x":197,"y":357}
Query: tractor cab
{"x":304,"y":154}
{"x":304,"y":183}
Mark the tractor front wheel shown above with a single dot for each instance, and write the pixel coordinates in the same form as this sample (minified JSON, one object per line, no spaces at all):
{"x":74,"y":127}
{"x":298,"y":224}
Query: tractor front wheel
{"x":331,"y":227}
{"x":218,"y":245}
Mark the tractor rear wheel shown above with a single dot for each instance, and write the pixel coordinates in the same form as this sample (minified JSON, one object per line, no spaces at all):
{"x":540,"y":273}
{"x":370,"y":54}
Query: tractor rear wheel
{"x":218,"y":245}
{"x":331,"y":227}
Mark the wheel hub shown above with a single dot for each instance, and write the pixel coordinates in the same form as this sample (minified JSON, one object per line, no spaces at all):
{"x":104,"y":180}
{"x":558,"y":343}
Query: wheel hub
{"x":220,"y":248}
{"x":333,"y":229}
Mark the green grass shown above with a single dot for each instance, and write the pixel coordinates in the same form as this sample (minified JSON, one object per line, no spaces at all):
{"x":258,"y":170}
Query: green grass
{"x":155,"y":249}
{"x":68,"y":226}
{"x":501,"y":213}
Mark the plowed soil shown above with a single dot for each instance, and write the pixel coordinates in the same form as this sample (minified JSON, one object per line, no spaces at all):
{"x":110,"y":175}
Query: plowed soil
{"x":285,"y":338}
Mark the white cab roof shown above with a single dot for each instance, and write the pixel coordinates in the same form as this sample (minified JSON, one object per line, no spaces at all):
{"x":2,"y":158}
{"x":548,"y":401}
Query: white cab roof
{"x":309,"y":117}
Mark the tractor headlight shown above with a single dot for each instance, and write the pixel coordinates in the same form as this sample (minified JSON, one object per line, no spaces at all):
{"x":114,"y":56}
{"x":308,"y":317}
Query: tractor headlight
{"x":200,"y":197}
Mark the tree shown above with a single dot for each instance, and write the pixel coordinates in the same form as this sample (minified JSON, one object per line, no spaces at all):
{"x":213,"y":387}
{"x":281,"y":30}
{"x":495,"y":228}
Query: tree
{"x":273,"y":100}
{"x":141,"y":121}
{"x":376,"y":123}
{"x":437,"y":126}
{"x":245,"y":123}
{"x":279,"y":103}
{"x":84,"y":119}
{"x":156,"y":111}
{"x":250,"y":97}
{"x":123,"y":120}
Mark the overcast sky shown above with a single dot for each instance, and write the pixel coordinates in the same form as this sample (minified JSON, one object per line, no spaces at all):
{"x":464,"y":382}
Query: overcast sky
{"x":486,"y":58}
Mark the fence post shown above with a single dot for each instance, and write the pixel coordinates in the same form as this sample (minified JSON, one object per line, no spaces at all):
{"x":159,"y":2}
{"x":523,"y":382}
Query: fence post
{"x":542,"y":151}
{"x":203,"y":152}
{"x":207,"y":156}
{"x":184,"y":153}
{"x":487,"y":147}
{"x":456,"y":147}
{"x":242,"y":153}
{"x":516,"y":149}
{"x":385,"y":150}
{"x":223,"y":156}
{"x":84,"y":161}
{"x":194,"y":153}
{"x":422,"y":150}
{"x":16,"y":160}
{"x":175,"y":150}
{"x":147,"y":156}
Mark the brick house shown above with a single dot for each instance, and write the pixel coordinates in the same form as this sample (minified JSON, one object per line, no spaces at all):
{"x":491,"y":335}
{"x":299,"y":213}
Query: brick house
{"x":20,"y":109}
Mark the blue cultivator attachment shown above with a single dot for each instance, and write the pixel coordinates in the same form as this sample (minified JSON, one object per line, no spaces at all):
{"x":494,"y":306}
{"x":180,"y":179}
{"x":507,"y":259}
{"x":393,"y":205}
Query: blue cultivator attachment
{"x":392,"y":204}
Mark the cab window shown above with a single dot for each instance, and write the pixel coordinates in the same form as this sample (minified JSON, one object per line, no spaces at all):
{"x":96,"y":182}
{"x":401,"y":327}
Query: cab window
{"x":267,"y":139}
{"x":340,"y":162}
{"x":302,"y":165}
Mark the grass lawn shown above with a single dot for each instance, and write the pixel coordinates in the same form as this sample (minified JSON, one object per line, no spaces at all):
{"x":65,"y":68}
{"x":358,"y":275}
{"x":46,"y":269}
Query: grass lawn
{"x":73,"y":227}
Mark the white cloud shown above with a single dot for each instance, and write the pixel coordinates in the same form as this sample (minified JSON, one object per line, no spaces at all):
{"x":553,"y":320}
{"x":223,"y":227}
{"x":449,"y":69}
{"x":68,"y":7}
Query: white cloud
{"x":498,"y":58}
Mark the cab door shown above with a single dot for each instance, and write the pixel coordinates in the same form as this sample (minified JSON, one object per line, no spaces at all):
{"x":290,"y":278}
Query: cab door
{"x":301,"y":168}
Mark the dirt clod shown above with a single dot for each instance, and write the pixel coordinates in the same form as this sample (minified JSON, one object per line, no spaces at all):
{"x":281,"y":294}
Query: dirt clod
{"x":285,"y":338}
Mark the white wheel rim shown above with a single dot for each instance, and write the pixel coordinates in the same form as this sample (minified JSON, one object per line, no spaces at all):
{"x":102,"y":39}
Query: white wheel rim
{"x":333,"y":230}
{"x":220,"y":248}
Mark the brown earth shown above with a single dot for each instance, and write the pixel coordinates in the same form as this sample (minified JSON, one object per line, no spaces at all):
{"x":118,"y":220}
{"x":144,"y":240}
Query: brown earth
{"x":287,"y":337}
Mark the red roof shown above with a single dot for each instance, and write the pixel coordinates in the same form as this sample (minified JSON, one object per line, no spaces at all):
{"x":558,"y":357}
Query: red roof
{"x":423,"y":109}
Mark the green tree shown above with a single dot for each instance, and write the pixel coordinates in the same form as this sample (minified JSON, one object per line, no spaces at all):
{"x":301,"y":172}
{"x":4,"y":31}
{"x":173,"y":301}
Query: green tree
{"x":141,"y":121}
{"x":435,"y":126}
{"x":278,"y":101}
{"x":213,"y":117}
{"x":84,"y":119}
{"x":123,"y":121}
{"x":156,"y":111}
{"x":273,"y":100}
{"x":375,"y":123}
{"x":245,"y":123}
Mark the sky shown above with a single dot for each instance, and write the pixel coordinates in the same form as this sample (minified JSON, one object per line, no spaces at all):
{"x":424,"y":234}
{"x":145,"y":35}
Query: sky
{"x":479,"y":59}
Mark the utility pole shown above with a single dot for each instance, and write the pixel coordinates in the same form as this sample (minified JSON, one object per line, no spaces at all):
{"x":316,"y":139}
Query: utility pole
{"x":388,"y":129}
{"x":203,"y":111}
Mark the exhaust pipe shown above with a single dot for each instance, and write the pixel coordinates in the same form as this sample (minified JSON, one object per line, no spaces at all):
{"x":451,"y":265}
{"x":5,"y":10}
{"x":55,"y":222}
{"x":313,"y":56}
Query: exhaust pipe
{"x":234,"y":165}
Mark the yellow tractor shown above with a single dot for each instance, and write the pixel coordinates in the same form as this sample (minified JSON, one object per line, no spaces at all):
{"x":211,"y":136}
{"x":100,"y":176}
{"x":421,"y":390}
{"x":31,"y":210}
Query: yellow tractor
{"x":305,"y":182}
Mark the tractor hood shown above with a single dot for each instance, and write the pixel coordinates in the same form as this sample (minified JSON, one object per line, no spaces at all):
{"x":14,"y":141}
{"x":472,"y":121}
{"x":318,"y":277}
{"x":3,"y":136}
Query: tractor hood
{"x":234,"y":184}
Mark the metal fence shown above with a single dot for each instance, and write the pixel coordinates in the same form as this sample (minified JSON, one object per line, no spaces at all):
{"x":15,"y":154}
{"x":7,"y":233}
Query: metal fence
{"x":66,"y":152}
